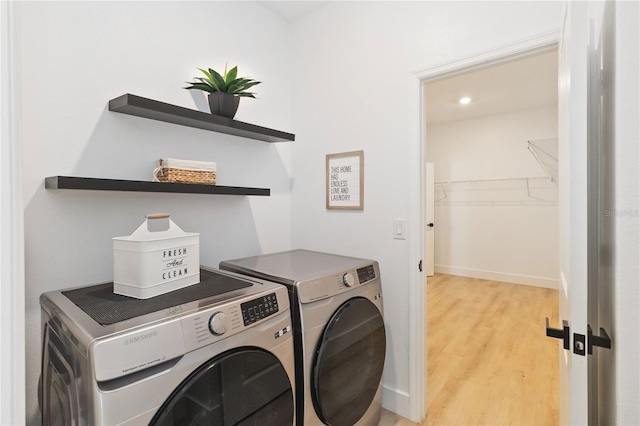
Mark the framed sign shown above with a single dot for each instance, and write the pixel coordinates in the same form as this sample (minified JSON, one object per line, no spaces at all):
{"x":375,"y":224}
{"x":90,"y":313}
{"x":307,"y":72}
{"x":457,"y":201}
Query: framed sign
{"x":345,"y":181}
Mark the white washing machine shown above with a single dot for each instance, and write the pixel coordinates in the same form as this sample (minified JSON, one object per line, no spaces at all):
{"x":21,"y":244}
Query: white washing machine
{"x":339,"y":333}
{"x":217,"y":353}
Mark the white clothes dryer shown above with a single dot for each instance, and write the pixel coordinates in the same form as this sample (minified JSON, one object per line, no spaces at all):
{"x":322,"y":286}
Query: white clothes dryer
{"x":217,"y":353}
{"x":339,"y":332}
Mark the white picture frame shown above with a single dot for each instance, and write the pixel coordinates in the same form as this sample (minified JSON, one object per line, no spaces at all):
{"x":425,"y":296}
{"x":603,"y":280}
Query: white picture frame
{"x":345,"y":181}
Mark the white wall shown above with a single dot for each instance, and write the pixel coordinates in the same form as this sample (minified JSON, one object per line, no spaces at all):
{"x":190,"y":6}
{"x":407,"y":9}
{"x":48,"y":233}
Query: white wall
{"x":11,"y":241}
{"x":349,"y":57}
{"x":355,"y":89}
{"x":78,"y":55}
{"x":494,"y":230}
{"x":626,"y":337}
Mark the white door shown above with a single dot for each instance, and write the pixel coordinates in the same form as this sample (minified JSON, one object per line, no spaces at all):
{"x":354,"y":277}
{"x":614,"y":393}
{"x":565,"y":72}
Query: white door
{"x":430,"y":229}
{"x":575,"y":112}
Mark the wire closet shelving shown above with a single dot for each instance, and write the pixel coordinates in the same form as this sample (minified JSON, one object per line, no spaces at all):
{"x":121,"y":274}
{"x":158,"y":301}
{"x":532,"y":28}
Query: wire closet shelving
{"x":534,"y":190}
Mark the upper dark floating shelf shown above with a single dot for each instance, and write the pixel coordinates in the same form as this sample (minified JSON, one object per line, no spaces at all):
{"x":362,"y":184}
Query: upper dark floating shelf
{"x":70,"y":182}
{"x":156,"y":110}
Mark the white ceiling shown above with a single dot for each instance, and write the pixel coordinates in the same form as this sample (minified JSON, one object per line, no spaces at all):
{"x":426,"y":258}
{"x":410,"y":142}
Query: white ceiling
{"x":522,"y":84}
{"x":292,"y":10}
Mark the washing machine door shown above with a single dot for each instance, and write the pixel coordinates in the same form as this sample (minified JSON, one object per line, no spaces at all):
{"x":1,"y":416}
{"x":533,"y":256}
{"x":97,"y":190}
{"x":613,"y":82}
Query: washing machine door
{"x":348,"y":364}
{"x":246,"y":386}
{"x":58,"y":383}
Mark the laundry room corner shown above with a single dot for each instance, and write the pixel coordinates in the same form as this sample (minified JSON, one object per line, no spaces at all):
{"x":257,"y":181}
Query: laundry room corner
{"x":338,"y":80}
{"x":75,"y":58}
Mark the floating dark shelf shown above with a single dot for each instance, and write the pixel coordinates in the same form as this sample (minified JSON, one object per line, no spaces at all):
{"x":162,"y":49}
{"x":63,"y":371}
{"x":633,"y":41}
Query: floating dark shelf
{"x":156,"y":110}
{"x":70,"y":182}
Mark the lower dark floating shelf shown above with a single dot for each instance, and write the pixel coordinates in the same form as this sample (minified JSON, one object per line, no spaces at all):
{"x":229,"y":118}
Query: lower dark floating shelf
{"x":96,"y":184}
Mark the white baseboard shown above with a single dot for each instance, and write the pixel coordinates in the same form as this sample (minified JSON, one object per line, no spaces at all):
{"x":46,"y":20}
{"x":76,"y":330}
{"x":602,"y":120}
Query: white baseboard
{"x":498,"y":276}
{"x":396,"y":401}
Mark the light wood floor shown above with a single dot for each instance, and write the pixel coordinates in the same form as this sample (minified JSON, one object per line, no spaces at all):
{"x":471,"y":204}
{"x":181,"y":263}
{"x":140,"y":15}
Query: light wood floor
{"x":489,"y":361}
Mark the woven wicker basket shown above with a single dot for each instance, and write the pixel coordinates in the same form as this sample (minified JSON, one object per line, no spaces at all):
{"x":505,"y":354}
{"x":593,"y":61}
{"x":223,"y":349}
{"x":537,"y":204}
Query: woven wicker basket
{"x":168,"y":174}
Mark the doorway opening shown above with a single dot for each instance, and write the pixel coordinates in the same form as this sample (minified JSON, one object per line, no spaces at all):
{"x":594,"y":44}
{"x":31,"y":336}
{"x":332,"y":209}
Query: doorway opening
{"x":494,"y":197}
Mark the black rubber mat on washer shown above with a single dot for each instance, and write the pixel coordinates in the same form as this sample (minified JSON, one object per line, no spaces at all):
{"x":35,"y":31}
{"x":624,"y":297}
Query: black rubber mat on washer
{"x":106,"y":307}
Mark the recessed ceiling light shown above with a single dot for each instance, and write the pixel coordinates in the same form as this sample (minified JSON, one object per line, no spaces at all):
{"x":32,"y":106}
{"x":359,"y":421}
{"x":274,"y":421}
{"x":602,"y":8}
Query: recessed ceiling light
{"x":465,"y":100}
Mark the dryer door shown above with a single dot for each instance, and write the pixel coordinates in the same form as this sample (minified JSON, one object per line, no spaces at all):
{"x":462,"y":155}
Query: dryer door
{"x":348,"y":363}
{"x":245,"y":386}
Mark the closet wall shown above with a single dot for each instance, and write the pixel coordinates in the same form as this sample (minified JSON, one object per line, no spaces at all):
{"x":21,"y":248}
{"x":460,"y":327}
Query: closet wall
{"x":495,"y":222}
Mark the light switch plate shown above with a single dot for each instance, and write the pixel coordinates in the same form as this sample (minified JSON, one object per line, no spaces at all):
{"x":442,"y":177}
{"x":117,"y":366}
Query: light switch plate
{"x":399,"y":229}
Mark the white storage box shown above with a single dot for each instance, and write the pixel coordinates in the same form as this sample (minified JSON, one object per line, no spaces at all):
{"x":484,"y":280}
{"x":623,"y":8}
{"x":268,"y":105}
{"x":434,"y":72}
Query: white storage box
{"x":157,"y":258}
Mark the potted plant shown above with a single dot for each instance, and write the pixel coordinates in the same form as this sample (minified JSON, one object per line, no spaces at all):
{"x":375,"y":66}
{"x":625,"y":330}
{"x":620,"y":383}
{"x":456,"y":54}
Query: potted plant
{"x":224,"y":90}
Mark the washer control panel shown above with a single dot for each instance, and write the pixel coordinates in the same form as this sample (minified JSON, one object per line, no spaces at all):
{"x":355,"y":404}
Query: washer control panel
{"x":260,"y":308}
{"x":366,"y":274}
{"x":207,"y":326}
{"x":223,"y":320}
{"x":348,"y":280}
{"x":218,"y":323}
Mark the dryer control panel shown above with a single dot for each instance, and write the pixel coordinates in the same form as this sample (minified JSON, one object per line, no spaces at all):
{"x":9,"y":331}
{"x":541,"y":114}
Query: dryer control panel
{"x":334,"y":284}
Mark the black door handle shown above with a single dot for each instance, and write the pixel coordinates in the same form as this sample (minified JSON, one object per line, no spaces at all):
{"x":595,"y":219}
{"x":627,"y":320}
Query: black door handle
{"x":603,"y":341}
{"x":430,"y":225}
{"x":559,"y":333}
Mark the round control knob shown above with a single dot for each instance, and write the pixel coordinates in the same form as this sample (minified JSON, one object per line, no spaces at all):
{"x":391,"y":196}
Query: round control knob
{"x":218,"y":324}
{"x":347,"y":279}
